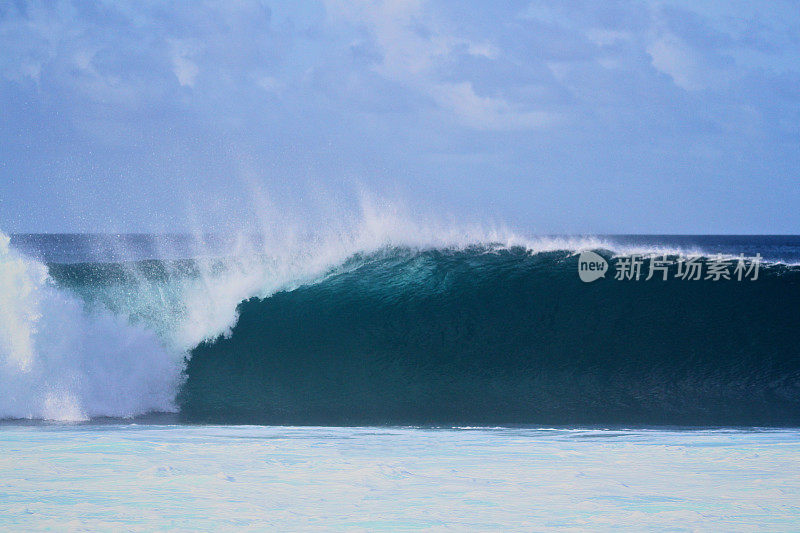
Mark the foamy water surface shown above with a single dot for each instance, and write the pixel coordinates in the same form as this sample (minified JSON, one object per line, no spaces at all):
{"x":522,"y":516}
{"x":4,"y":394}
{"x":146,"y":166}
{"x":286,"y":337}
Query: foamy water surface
{"x":144,"y":478}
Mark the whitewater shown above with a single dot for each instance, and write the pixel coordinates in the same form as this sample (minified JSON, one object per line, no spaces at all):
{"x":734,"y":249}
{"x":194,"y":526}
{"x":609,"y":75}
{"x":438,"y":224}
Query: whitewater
{"x":144,"y":478}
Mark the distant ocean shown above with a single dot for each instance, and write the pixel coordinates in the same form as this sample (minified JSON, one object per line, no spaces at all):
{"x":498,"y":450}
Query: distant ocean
{"x":398,"y":380}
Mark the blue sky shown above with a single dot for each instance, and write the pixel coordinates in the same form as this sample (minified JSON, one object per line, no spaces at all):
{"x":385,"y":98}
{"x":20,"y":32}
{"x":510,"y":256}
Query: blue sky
{"x":552,"y":117}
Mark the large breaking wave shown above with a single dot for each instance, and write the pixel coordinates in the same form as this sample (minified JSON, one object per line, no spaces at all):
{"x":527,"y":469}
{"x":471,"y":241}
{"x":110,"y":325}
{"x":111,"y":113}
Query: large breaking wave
{"x":383,"y":327}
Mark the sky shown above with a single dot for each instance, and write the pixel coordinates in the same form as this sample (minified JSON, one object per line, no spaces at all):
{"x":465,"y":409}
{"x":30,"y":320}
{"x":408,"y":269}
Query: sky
{"x":551,"y":117}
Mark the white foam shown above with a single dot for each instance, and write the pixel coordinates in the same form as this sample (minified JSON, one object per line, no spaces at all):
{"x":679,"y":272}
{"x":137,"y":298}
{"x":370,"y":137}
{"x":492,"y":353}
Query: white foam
{"x":59,"y":361}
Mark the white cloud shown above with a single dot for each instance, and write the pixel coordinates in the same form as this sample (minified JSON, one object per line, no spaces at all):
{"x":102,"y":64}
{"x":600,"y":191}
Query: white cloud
{"x":674,"y":58}
{"x":487,"y":50}
{"x":414,"y":55}
{"x":184,"y":68}
{"x":486,"y":112}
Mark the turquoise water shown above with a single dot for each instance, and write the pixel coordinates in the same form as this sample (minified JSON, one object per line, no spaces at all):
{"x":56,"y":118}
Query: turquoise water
{"x":161,"y":477}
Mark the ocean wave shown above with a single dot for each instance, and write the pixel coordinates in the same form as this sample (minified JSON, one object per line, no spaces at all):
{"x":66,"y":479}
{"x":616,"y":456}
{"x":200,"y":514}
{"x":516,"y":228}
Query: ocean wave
{"x":466,"y":337}
{"x":395,"y":322}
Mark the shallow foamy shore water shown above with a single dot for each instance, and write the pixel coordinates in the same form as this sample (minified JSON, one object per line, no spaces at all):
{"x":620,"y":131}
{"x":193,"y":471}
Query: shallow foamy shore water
{"x":146,"y":477}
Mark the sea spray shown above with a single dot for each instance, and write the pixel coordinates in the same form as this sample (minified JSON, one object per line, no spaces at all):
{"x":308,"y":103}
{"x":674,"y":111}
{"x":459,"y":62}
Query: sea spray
{"x":59,"y":361}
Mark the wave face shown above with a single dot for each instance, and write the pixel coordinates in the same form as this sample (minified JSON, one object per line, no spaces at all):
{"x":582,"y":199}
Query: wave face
{"x":376,"y":331}
{"x":508,"y":337}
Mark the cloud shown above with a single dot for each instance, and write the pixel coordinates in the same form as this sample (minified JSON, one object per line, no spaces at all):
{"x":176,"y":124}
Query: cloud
{"x":415,"y":51}
{"x":674,"y":58}
{"x":659,"y":97}
{"x":486,"y":112}
{"x":184,"y":68}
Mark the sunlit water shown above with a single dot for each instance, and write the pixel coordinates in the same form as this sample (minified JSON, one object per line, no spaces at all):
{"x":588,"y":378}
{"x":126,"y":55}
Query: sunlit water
{"x":158,"y":477}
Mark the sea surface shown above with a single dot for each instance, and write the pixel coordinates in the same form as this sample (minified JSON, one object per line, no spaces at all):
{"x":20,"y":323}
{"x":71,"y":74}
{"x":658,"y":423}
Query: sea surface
{"x":222,"y":478}
{"x":399,"y":378}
